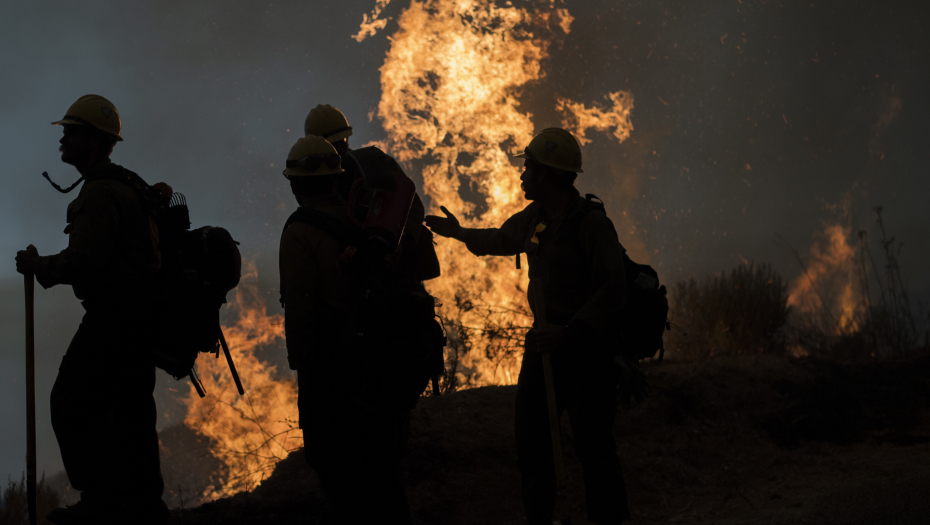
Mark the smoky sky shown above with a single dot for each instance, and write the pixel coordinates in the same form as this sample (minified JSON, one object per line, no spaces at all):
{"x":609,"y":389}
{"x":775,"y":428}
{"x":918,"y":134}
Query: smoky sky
{"x":751,"y":118}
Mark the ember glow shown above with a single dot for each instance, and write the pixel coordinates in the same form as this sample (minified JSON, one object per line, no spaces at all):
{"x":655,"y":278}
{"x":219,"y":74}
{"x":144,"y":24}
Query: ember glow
{"x":450,"y":84}
{"x":250,"y":433}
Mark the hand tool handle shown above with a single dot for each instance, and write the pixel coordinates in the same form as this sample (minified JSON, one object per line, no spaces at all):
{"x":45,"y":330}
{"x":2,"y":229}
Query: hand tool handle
{"x":232,"y":367}
{"x":554,"y":427}
{"x":29,"y":281}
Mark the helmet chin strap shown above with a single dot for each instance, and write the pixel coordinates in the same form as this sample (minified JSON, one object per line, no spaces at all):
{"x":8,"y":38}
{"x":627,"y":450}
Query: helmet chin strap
{"x":59,"y":188}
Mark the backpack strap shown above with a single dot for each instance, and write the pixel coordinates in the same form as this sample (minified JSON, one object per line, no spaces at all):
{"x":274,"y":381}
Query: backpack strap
{"x":323,"y":221}
{"x":592,"y":202}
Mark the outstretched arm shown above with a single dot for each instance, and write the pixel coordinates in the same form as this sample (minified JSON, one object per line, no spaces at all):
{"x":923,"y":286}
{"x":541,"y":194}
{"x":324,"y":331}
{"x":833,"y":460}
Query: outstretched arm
{"x":506,"y":240}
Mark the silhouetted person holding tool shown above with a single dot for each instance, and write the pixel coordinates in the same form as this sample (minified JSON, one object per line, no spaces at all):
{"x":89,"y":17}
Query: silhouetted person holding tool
{"x":102,"y":408}
{"x":577,"y":288}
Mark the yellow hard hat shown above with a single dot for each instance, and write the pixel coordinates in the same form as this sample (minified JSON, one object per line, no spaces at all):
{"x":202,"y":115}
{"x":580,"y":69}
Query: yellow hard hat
{"x":555,"y":147}
{"x":96,"y":111}
{"x":327,"y":122}
{"x":312,"y":156}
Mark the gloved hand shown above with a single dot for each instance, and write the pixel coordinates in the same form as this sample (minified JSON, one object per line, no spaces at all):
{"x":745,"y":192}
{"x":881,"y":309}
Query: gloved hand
{"x":447,"y":226}
{"x":545,"y":339}
{"x":27,"y":260}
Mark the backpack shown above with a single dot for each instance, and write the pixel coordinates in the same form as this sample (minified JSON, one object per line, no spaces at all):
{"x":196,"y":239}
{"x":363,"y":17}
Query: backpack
{"x":392,"y":328}
{"x":377,"y":168}
{"x":199,"y":267}
{"x":644,"y":318}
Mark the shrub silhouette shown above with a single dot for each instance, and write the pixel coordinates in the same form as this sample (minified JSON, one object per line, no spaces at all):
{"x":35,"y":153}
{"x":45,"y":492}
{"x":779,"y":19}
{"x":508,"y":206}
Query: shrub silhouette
{"x":13,"y":507}
{"x":740,"y":312}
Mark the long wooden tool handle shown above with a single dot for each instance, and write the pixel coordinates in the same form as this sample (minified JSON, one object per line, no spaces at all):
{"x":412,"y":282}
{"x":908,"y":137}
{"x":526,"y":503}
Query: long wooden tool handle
{"x":232,"y":367}
{"x":29,"y":281}
{"x":554,"y":427}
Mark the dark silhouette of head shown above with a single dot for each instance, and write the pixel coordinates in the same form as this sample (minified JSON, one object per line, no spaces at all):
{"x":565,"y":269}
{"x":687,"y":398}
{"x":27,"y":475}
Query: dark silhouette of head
{"x":84,"y":146}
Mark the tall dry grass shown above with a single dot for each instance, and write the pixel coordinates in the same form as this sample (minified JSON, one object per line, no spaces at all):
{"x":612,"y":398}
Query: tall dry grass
{"x":13,"y":506}
{"x":741,"y":312}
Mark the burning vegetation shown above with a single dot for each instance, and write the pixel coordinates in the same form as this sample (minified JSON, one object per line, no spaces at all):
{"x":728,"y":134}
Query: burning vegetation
{"x":829,"y":309}
{"x":824,"y":291}
{"x":839,"y":312}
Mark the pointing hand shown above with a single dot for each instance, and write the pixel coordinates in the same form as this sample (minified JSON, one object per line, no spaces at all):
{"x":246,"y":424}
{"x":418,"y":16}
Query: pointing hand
{"x":447,"y":226}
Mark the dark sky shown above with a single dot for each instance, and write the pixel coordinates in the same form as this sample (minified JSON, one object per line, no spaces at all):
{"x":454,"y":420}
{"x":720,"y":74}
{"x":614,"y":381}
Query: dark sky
{"x":751,"y":118}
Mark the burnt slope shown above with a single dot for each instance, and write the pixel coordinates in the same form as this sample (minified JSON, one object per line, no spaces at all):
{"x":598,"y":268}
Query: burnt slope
{"x":729,"y":440}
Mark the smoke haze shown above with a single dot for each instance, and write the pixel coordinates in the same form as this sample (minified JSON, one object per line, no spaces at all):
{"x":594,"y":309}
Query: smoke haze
{"x":750,"y":118}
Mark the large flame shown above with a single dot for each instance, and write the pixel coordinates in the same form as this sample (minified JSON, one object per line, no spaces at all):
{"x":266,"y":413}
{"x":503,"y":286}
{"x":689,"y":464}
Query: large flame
{"x":250,"y":433}
{"x":450,"y":83}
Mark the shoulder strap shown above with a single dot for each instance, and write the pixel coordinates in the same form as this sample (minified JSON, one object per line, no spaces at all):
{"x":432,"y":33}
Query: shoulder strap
{"x":323,"y":221}
{"x":642,"y":275}
{"x":147,"y":194}
{"x":593,"y":202}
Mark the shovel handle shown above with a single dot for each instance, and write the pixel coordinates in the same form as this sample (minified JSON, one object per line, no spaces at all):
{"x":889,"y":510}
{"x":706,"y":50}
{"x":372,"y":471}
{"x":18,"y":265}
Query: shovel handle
{"x":29,"y":282}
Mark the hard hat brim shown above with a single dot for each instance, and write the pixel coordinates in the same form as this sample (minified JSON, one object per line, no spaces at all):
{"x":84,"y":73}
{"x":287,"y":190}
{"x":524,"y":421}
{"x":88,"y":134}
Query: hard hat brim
{"x":64,"y":121}
{"x":339,"y":136}
{"x":565,"y":168}
{"x":299,"y":172}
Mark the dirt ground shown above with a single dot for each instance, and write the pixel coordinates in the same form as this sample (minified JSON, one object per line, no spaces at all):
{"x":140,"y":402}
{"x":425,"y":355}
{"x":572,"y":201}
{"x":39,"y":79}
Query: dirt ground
{"x":731,"y":440}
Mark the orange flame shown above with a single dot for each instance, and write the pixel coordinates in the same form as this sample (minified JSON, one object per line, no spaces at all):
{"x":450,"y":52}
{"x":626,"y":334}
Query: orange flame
{"x":250,"y":433}
{"x":827,"y":286}
{"x":371,"y":24}
{"x":578,"y":118}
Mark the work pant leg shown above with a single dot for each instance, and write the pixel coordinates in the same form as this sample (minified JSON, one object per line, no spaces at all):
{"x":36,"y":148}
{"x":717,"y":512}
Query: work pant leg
{"x":355,"y":454}
{"x":136,"y":457}
{"x":104,"y":415}
{"x":364,"y":492}
{"x":534,"y":442}
{"x":592,"y":408}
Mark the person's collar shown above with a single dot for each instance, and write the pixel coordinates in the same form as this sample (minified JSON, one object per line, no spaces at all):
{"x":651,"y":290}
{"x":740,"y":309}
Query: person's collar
{"x":571,"y":207}
{"x":95,"y":171}
{"x":576,"y":204}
